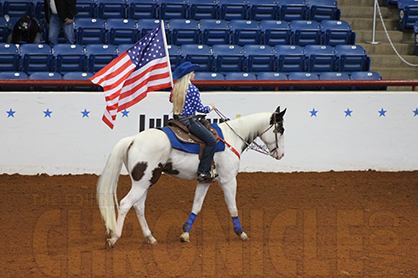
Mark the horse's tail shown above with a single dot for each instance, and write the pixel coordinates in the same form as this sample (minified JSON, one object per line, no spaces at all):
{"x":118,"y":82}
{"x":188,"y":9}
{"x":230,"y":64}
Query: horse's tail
{"x":108,"y":182}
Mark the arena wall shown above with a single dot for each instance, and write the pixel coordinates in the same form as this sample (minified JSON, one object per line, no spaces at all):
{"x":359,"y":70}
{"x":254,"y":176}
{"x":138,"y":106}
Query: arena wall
{"x":62,"y":132}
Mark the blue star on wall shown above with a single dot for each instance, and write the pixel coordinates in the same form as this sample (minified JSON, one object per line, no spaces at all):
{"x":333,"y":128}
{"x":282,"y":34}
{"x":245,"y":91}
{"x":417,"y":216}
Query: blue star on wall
{"x":11,"y":113}
{"x":125,"y":113}
{"x":47,"y":113}
{"x":348,"y":112}
{"x":415,"y":112}
{"x":313,"y":112}
{"x":85,"y":113}
{"x":382,"y":113}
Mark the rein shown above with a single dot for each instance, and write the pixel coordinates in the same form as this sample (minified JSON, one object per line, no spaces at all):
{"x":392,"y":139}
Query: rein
{"x":253,"y":146}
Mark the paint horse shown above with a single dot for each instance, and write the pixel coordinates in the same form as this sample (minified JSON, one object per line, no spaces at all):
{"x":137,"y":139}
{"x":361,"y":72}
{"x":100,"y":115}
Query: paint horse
{"x":148,"y":154}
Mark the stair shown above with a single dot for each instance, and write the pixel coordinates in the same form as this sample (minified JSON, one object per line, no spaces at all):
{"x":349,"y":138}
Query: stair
{"x":384,"y":60}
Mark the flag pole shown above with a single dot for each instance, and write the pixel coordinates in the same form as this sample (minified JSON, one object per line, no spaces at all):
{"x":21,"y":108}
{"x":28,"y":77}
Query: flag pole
{"x":166,"y":51}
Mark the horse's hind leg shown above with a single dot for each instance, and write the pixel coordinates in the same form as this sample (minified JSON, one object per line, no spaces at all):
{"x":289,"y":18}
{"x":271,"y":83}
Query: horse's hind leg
{"x":140,"y":212}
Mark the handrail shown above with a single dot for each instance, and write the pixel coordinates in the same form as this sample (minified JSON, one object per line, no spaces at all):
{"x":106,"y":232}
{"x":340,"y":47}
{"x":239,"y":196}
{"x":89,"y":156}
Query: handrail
{"x":229,"y":83}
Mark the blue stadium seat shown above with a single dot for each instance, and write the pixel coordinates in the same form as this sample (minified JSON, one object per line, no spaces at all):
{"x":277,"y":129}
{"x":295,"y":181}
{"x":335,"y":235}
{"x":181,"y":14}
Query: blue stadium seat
{"x":16,"y":8}
{"x":69,"y":57}
{"x":366,"y":75}
{"x":38,"y":9}
{"x":241,"y":76}
{"x":85,"y":8}
{"x":258,"y":58}
{"x":9,"y":57}
{"x":36,"y":57}
{"x":272,"y":76}
{"x":292,"y":10}
{"x":111,"y":9}
{"x":99,"y":56}
{"x":123,"y":47}
{"x":203,"y":9}
{"x":175,"y":54}
{"x":305,"y":32}
{"x":210,"y":76}
{"x":416,"y":38}
{"x":122,"y":31}
{"x":275,"y":32}
{"x":79,"y":75}
{"x":215,"y":31}
{"x":263,"y":10}
{"x":334,"y":76}
{"x":183,"y":31}
{"x":138,"y":9}
{"x":198,"y":54}
{"x":352,"y":58}
{"x":336,"y":32}
{"x":90,"y":30}
{"x":320,"y":58}
{"x":303,"y":76}
{"x":323,"y":10}
{"x":173,"y":9}
{"x":289,"y":58}
{"x":44,"y":75}
{"x":245,"y":32}
{"x":233,"y":9}
{"x":13,"y":75}
{"x":228,"y":58}
{"x":5,"y":29}
{"x":408,"y":13}
{"x":146,"y":25}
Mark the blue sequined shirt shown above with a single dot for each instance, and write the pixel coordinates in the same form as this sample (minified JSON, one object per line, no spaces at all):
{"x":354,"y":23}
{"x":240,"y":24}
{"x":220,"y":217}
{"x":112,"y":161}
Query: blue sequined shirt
{"x":192,"y":103}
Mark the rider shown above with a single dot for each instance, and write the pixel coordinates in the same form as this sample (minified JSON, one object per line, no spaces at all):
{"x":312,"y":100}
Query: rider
{"x":186,"y":102}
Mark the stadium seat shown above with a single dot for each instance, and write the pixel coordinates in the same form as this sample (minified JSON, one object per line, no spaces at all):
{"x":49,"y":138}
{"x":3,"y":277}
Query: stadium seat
{"x":320,"y":58}
{"x":408,"y":13}
{"x":416,"y":38}
{"x":336,"y":32}
{"x":69,"y":57}
{"x":215,"y":31}
{"x":228,"y":58}
{"x":175,"y":54}
{"x":272,"y":76}
{"x":241,"y":76}
{"x":78,"y":75}
{"x":258,"y":58}
{"x":183,"y":31}
{"x":173,"y":9}
{"x":16,"y":8}
{"x":122,"y":31}
{"x":138,"y":9}
{"x":366,"y":75}
{"x":36,"y":57}
{"x":111,"y":9}
{"x":320,"y":10}
{"x":233,"y":9}
{"x":198,"y":54}
{"x":289,"y":58}
{"x":292,"y":9}
{"x":305,"y":32}
{"x":210,"y":76}
{"x":9,"y":57}
{"x":334,"y":76}
{"x":146,"y":25}
{"x":275,"y":32}
{"x":203,"y":9}
{"x":263,"y":10}
{"x":307,"y":76}
{"x":38,"y":9}
{"x":85,"y":8}
{"x":99,"y":56}
{"x":352,"y":58}
{"x":13,"y":75}
{"x":245,"y":32}
{"x":44,"y":75}
{"x":90,"y":30}
{"x":5,"y":29}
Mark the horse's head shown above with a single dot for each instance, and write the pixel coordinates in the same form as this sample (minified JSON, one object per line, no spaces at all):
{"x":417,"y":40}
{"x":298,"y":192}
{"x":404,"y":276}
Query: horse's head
{"x":273,"y":136}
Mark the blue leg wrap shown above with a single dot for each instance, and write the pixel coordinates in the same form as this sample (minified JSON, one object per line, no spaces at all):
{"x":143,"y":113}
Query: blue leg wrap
{"x":237,"y":225}
{"x":188,"y":225}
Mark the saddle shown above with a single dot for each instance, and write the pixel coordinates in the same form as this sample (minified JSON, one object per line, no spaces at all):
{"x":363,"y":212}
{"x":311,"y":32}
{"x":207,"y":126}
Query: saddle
{"x":184,"y":135}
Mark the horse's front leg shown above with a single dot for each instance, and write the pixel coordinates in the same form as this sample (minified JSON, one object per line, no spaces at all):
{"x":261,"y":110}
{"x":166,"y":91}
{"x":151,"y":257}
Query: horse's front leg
{"x":230,"y":191}
{"x":199,"y":197}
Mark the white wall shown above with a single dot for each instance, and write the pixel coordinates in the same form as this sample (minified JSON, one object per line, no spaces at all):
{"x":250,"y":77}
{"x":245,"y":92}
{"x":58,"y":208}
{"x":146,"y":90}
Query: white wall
{"x":68,"y":143}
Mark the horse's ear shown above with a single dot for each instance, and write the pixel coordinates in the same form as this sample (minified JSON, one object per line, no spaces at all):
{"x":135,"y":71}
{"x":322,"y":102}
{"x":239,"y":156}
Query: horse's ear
{"x":280,"y":116}
{"x":278,"y":109}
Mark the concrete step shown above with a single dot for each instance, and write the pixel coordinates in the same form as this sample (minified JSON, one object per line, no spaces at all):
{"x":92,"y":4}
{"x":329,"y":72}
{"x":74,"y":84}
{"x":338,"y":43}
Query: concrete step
{"x":390,"y":73}
{"x":358,"y":24}
{"x":366,"y":12}
{"x":343,"y":3}
{"x":380,"y":36}
{"x":393,"y":61}
{"x":386,"y":48}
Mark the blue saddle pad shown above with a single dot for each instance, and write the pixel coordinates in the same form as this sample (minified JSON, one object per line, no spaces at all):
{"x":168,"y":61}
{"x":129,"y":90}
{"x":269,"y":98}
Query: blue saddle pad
{"x":191,"y":147}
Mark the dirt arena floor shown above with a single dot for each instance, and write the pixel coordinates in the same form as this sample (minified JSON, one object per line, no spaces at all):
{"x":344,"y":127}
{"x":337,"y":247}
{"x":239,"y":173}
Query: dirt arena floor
{"x":333,"y":224}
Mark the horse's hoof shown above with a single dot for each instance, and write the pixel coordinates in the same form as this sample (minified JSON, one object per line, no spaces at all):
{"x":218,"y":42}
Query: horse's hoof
{"x":185,"y":237}
{"x":111,"y":242}
{"x":152,"y":240}
{"x":244,"y":236}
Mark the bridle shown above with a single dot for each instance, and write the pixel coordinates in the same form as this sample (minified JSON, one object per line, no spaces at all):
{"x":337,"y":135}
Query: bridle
{"x":278,"y":128}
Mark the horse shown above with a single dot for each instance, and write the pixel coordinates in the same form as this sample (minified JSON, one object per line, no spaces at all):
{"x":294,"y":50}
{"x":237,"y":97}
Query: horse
{"x":149,"y":153}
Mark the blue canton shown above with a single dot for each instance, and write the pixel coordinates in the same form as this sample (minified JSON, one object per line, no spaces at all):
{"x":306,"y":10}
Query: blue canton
{"x":193,"y":103}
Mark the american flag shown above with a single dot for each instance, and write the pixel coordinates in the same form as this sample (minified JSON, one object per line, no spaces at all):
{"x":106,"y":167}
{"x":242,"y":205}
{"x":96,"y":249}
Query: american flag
{"x":143,"y":68}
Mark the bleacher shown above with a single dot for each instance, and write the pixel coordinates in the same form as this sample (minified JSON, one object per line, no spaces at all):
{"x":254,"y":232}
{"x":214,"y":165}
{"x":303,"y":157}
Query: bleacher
{"x":229,"y":39}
